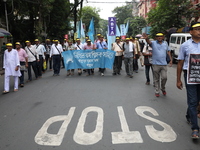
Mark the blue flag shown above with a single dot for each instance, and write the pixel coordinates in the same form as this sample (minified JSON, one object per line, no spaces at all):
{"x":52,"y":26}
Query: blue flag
{"x":82,"y":33}
{"x":91,"y":31}
{"x":88,"y":59}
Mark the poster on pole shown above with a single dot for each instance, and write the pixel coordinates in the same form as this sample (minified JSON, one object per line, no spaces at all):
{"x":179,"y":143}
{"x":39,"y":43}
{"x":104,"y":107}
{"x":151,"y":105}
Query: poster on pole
{"x":193,"y":74}
{"x":112,"y":26}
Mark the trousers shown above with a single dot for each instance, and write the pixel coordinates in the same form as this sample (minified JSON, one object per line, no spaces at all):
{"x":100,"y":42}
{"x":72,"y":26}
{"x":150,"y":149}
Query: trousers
{"x":7,"y":83}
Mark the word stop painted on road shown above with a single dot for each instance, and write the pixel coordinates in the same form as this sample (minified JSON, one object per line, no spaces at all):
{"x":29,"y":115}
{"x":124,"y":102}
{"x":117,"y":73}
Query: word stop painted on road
{"x":124,"y":136}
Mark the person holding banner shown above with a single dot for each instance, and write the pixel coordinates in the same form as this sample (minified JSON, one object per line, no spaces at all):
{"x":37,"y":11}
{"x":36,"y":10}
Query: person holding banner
{"x":102,"y":45}
{"x":70,"y":47}
{"x":187,"y":64}
{"x":89,"y":46}
{"x":55,"y":54}
{"x":128,"y":48}
{"x":136,"y":54}
{"x":117,"y":47}
{"x":79,"y":46}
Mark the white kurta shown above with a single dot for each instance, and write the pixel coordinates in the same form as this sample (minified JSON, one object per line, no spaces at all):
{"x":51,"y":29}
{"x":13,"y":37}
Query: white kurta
{"x":10,"y":62}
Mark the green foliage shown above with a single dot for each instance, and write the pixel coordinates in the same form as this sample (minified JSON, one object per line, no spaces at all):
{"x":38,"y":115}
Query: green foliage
{"x":170,"y":13}
{"x":87,"y":13}
{"x":122,"y":13}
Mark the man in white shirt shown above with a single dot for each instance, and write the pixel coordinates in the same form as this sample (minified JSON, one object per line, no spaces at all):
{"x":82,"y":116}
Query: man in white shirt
{"x":79,"y":46}
{"x":33,"y":57}
{"x":40,"y":49}
{"x":117,"y":47}
{"x":55,"y":54}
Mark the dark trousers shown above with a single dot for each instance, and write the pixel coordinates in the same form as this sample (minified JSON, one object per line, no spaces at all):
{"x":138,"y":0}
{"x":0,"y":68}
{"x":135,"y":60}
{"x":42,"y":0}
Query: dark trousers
{"x":90,"y":71}
{"x":40,"y":65}
{"x":34,"y":67}
{"x":135,"y":64}
{"x":56,"y":63}
{"x":21,"y":78}
{"x":193,"y":98}
{"x":147,"y":69}
{"x":117,"y":64}
{"x":48,"y":61}
{"x":102,"y":70}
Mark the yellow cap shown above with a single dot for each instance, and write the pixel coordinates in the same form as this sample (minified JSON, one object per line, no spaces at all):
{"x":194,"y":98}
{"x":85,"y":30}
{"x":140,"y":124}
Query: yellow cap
{"x":55,"y":40}
{"x":99,"y":34}
{"x":65,"y":39}
{"x":127,"y":38}
{"x":196,"y":25}
{"x":88,"y":40}
{"x":9,"y":44}
{"x":159,"y":34}
{"x":36,"y":40}
{"x":78,"y":39}
{"x":117,"y":38}
{"x":27,"y":41}
{"x":17,"y":43}
{"x":131,"y":38}
{"x":48,"y":40}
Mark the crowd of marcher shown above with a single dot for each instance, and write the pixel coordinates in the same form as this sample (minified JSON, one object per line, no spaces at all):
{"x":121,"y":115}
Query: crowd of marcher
{"x":40,"y":57}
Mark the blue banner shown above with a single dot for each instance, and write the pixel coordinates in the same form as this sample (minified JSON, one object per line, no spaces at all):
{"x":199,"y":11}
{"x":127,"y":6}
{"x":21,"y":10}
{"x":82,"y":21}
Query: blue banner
{"x":88,"y":59}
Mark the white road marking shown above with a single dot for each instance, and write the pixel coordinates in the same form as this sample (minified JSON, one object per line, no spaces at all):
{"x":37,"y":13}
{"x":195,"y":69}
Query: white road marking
{"x":126,"y":136}
{"x":44,"y":138}
{"x":83,"y":138}
{"x":167,"y":135}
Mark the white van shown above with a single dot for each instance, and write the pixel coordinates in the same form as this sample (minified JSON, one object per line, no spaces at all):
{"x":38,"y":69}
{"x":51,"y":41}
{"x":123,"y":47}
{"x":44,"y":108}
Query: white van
{"x":176,"y":39}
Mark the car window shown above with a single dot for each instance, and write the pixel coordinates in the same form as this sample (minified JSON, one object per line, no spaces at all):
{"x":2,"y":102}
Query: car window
{"x":178,"y":40}
{"x":183,"y":40}
{"x":173,"y":39}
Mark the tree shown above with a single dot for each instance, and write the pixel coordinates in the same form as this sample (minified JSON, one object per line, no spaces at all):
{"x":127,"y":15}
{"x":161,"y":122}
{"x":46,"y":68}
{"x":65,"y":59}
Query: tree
{"x":87,"y":13}
{"x":122,"y":13}
{"x":135,"y":25}
{"x":170,"y":13}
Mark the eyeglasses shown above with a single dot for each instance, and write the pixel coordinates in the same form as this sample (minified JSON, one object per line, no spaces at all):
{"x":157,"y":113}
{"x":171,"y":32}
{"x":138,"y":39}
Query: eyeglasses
{"x":197,"y":29}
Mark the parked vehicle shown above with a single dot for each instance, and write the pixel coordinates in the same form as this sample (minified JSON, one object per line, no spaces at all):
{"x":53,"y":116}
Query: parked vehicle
{"x":176,"y":39}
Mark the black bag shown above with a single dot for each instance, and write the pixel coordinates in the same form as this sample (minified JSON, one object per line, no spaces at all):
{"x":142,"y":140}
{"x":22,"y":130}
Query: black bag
{"x":146,"y":60}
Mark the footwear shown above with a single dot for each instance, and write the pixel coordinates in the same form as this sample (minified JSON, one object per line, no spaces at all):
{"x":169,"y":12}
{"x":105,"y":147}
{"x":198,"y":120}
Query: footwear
{"x":87,"y":74}
{"x":130,"y":76}
{"x":119,"y":73}
{"x":147,"y":83}
{"x":15,"y":90}
{"x":195,"y":134}
{"x":68,"y":74}
{"x":114,"y":74}
{"x":72,"y":74}
{"x":102,"y":74}
{"x":157,"y":94}
{"x":164,"y":93}
{"x":21,"y":85}
{"x":5,"y":92}
{"x":54,"y":74}
{"x":136,"y":71}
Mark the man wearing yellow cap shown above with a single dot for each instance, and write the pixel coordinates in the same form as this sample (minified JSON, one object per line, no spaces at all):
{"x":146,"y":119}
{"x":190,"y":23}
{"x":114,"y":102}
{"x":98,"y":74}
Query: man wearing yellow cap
{"x":23,"y":58}
{"x":33,"y":57}
{"x":117,"y":47}
{"x":192,"y":46}
{"x":11,"y":65}
{"x":160,"y":49}
{"x":55,"y":54}
{"x":40,"y":49}
{"x":128,"y":48}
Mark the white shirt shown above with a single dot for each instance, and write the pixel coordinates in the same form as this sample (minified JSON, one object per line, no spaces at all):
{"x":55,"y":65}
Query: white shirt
{"x":31,"y":57}
{"x":56,"y":51}
{"x":117,"y":48}
{"x":79,"y":47}
{"x":40,"y":49}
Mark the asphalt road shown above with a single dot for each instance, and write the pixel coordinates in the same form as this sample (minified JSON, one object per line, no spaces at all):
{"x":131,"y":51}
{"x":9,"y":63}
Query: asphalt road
{"x":94,"y":113}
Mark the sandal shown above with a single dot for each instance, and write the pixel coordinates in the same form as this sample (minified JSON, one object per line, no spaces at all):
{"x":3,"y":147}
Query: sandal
{"x":5,"y":92}
{"x":195,"y":134}
{"x":15,"y":90}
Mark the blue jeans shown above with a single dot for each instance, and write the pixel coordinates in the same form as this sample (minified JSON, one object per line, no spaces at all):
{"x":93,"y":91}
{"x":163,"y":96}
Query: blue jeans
{"x":193,"y":97}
